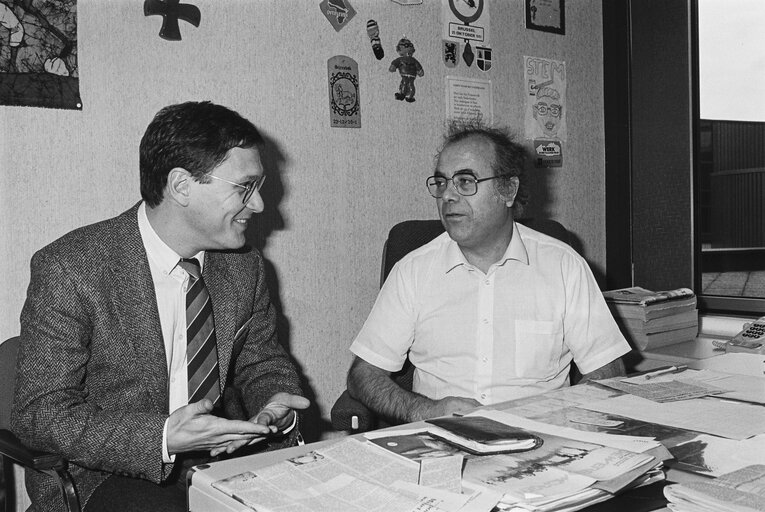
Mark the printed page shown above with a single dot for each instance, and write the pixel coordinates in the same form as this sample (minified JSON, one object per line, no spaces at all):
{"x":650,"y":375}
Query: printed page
{"x":348,"y":475}
{"x":664,"y":388}
{"x":629,"y":443}
{"x":715,"y":456}
{"x":708,"y":415}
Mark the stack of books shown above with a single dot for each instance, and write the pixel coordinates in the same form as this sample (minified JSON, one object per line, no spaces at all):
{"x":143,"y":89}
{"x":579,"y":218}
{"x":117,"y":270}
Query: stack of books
{"x":651,"y":319}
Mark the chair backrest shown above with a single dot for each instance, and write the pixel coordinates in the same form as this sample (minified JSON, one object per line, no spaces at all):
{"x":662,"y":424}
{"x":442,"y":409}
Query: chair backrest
{"x":408,"y":235}
{"x":8,"y":351}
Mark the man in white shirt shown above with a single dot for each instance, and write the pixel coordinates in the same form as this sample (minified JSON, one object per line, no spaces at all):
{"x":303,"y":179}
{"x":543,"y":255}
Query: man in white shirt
{"x":148,"y":340}
{"x":490,"y":310}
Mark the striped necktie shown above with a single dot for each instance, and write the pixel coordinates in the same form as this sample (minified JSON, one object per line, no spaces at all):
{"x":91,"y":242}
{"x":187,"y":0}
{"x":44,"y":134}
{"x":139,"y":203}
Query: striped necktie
{"x":201,"y":350}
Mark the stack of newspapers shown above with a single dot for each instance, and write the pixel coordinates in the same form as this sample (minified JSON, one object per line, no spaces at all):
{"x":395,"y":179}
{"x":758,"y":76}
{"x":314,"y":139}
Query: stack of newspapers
{"x":742,"y":490}
{"x":651,"y":319}
{"x":562,"y":469}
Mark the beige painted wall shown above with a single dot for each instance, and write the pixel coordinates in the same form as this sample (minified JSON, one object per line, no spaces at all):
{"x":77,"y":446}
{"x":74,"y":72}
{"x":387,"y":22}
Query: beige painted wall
{"x":333,"y":193}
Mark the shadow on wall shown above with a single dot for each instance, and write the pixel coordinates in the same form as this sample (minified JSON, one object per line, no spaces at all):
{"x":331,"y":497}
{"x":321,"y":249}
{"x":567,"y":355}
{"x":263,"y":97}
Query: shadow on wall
{"x":540,"y":207}
{"x":258,"y":233}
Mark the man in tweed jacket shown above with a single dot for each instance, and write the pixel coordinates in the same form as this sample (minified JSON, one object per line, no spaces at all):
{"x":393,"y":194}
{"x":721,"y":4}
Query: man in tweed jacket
{"x":100,"y":356}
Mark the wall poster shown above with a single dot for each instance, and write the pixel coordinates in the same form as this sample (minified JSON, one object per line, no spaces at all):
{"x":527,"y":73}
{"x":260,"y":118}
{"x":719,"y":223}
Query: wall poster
{"x":38,"y":54}
{"x":469,"y":99}
{"x":545,"y":81}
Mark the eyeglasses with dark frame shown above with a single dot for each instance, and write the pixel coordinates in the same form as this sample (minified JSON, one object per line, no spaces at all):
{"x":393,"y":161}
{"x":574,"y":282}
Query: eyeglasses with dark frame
{"x":249,"y":188}
{"x":465,"y":184}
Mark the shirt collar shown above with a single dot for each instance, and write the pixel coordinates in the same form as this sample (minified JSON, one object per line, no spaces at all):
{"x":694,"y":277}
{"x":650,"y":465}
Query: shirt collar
{"x":159,"y":253}
{"x":516,"y":250}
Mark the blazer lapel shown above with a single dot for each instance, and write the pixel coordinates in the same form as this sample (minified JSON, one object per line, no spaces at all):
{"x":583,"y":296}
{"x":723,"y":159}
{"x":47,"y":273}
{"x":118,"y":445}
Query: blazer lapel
{"x":135,"y":303}
{"x":222,"y":293}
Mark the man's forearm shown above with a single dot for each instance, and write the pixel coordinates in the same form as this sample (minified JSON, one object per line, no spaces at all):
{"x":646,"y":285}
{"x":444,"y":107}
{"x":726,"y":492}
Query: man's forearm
{"x":613,"y":369}
{"x":375,"y":389}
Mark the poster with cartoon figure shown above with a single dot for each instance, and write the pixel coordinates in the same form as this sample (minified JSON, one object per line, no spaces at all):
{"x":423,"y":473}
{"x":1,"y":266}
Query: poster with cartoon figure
{"x":545,"y":81}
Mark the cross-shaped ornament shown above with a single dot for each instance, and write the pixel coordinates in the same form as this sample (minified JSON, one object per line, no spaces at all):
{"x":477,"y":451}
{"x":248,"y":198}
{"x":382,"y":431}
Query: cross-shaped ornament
{"x":171,"y":11}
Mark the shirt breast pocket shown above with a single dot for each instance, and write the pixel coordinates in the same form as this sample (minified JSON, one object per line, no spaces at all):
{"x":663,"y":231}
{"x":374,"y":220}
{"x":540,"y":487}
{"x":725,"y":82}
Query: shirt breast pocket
{"x":537,"y":347}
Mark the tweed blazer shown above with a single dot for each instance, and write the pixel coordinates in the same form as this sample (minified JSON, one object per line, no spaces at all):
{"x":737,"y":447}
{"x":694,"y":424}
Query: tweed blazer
{"x":92,"y":380}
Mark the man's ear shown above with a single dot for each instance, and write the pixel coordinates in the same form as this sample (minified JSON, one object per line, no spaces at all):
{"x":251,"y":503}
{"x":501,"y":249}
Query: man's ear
{"x":178,"y":186}
{"x":511,"y":191}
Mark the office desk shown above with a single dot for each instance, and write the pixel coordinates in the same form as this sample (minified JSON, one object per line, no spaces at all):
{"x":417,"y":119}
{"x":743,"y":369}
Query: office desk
{"x":203,"y":497}
{"x":698,"y":353}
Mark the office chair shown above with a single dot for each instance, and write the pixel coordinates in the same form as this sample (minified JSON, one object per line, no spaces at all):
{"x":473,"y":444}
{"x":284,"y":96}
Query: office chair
{"x":350,"y":414}
{"x":13,"y":452}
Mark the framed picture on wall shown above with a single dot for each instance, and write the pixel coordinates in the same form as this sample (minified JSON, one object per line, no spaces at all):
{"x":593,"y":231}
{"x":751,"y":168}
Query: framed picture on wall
{"x":546,"y":15}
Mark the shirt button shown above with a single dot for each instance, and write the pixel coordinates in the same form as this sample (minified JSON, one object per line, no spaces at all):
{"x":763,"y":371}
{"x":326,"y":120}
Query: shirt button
{"x":487,"y":282}
{"x":485,"y":360}
{"x":483,"y":395}
{"x":486,"y":320}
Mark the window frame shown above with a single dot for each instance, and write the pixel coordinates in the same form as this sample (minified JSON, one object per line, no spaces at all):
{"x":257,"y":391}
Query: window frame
{"x":676,"y":263}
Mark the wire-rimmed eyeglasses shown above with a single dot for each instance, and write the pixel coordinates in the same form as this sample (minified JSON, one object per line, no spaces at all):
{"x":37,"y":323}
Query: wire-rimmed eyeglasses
{"x":464,"y":184}
{"x":249,"y":188}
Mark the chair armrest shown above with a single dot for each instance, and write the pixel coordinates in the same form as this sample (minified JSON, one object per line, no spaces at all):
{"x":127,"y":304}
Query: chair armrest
{"x":11,"y":447}
{"x":346,"y":408}
{"x":51,"y":464}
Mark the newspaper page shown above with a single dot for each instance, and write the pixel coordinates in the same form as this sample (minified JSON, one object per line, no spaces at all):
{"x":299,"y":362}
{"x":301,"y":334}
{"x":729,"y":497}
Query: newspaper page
{"x":706,"y":415}
{"x":348,"y":475}
{"x":715,"y":456}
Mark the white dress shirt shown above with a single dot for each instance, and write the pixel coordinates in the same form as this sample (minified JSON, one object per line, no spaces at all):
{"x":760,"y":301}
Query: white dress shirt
{"x":170,"y":282}
{"x":506,"y":334}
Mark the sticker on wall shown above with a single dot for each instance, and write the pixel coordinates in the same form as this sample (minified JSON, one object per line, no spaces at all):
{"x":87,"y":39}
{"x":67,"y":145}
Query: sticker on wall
{"x":408,"y":67}
{"x":450,"y":53}
{"x":484,"y":58}
{"x":344,"y":104}
{"x":172,"y":11}
{"x":337,"y":12}
{"x":545,"y":80}
{"x":466,"y":21}
{"x":548,"y":153}
{"x":373,"y":31}
{"x":38,"y":55}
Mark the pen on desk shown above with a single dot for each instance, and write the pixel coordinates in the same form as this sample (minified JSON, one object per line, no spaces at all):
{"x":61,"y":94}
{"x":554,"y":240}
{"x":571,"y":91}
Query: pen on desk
{"x":665,"y":371}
